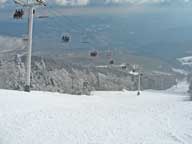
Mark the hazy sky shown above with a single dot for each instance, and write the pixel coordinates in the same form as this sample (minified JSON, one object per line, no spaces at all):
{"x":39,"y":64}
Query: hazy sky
{"x":133,"y":25}
{"x":87,"y":2}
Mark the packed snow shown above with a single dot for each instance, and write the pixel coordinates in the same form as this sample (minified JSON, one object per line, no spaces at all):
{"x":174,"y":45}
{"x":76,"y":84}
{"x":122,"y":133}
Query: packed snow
{"x":154,"y":117}
{"x":181,"y":88}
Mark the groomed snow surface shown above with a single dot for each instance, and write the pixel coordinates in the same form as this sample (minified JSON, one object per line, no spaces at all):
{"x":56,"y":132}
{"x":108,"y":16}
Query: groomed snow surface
{"x":102,"y":118}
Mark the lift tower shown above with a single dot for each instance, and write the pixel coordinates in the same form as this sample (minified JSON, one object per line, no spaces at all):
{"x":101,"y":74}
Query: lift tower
{"x":30,"y":4}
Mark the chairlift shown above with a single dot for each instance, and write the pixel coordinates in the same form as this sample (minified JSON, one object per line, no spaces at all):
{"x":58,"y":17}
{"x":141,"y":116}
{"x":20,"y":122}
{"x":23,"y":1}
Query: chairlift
{"x":25,"y":38}
{"x":65,"y":38}
{"x":111,"y":62}
{"x":18,"y":14}
{"x":93,"y":53}
{"x":123,"y":67}
{"x":133,"y":70}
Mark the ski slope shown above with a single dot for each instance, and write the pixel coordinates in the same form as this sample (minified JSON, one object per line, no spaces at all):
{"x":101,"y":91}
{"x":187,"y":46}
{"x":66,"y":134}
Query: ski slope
{"x":181,"y":88}
{"x":103,"y":118}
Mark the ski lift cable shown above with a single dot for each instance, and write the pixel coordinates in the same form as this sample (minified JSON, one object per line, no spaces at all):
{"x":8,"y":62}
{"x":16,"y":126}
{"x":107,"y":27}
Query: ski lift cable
{"x":52,"y":13}
{"x":74,"y":26}
{"x":70,"y":22}
{"x":58,"y":24}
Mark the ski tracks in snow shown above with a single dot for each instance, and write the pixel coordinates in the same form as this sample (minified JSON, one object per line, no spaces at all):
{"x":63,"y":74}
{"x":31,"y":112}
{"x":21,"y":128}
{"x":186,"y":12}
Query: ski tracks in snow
{"x":103,"y":118}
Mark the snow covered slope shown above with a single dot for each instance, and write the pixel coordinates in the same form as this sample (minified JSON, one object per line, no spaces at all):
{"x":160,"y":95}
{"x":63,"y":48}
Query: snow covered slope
{"x":181,"y":88}
{"x":103,"y":118}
